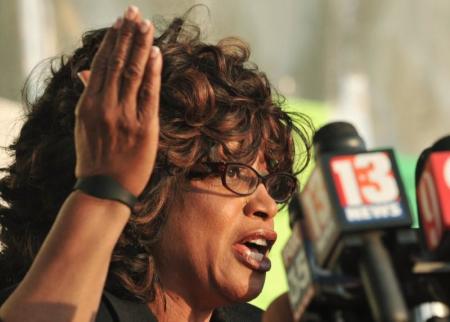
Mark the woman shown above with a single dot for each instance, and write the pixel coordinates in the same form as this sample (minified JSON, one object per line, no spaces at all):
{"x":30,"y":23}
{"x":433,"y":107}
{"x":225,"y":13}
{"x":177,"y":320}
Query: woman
{"x":209,"y":172}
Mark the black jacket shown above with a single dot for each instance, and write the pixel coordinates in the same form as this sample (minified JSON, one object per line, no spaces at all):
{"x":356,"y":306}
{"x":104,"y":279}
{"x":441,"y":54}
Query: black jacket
{"x":114,"y":309}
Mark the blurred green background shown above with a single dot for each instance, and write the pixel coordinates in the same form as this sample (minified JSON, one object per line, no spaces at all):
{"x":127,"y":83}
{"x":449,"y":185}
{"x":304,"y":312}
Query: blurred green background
{"x":276,"y":282}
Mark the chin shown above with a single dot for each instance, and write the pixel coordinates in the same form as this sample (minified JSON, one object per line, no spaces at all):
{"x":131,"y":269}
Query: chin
{"x":255,"y":286}
{"x":246,"y":289}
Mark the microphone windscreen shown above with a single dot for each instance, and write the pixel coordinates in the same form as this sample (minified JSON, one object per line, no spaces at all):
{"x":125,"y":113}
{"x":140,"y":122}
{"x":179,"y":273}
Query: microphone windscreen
{"x":337,"y":136}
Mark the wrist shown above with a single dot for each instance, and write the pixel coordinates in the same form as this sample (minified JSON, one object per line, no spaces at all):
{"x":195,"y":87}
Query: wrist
{"x":106,"y":187}
{"x":110,"y":206}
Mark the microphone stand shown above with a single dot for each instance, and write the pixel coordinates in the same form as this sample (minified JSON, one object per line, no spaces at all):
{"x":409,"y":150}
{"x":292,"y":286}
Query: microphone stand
{"x":380,"y":283}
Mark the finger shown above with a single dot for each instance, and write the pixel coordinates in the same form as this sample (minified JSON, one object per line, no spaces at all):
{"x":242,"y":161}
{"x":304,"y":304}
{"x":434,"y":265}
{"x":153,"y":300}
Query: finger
{"x":134,"y":70}
{"x":148,"y":107}
{"x":100,"y":62}
{"x":119,"y":54}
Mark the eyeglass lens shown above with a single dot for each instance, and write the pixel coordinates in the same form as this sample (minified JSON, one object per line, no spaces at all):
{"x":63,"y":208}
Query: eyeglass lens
{"x":243,"y":180}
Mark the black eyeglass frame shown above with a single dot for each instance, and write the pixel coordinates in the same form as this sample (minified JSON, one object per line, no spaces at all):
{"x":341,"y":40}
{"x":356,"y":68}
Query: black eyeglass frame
{"x":222,"y":167}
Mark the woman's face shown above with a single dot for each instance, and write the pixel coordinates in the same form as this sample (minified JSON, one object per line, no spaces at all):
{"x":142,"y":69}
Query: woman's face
{"x":215,"y":243}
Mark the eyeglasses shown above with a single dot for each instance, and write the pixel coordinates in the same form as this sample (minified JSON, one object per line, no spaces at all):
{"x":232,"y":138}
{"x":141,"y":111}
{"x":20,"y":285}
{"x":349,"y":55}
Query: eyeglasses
{"x":243,"y":180}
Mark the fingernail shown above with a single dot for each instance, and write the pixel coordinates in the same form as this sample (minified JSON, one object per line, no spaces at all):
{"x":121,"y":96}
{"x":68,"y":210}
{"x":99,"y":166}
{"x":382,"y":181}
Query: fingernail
{"x":155,"y":51}
{"x":118,"y":23}
{"x":144,"y":26}
{"x":131,"y":12}
{"x":82,"y":77}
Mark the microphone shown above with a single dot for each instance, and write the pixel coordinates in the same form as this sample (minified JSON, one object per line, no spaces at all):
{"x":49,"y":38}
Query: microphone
{"x":350,"y":191}
{"x":314,"y":294}
{"x":351,"y":199}
{"x":429,"y":279}
{"x":433,"y":198}
{"x":298,"y":271}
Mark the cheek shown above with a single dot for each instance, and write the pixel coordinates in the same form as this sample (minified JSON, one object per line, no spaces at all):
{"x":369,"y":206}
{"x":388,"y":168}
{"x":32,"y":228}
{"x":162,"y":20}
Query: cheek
{"x":203,"y":225}
{"x":210,"y":208}
{"x":209,"y":219}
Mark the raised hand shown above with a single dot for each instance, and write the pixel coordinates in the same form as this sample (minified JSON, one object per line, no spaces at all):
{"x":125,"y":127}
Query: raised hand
{"x":116,"y":134}
{"x":117,"y":122}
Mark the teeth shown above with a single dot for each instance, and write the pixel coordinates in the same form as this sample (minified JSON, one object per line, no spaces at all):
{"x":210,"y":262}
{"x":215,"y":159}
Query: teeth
{"x":256,"y":256}
{"x":259,"y":242}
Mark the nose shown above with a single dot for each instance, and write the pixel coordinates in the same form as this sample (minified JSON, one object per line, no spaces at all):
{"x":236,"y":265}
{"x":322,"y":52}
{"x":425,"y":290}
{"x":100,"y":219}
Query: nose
{"x":261,"y":204}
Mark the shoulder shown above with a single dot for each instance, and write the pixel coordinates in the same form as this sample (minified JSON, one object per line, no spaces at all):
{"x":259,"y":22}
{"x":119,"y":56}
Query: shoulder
{"x":242,"y":312}
{"x":112,"y":309}
{"x":104,"y":313}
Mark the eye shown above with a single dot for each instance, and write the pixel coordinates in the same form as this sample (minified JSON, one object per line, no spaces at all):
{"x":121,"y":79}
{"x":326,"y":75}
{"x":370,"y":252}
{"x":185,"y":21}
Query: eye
{"x":242,"y":176}
{"x":233,"y":172}
{"x":281,"y":187}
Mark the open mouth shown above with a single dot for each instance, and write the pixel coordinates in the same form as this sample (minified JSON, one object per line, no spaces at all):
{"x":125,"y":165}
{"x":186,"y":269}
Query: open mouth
{"x":258,"y":248}
{"x":253,"y":250}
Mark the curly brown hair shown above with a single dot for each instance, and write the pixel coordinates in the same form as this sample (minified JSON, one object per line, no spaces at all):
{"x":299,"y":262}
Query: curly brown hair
{"x":211,"y":96}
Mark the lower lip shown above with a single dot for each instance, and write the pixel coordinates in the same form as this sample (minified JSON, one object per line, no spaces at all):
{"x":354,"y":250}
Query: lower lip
{"x":242,"y":253}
